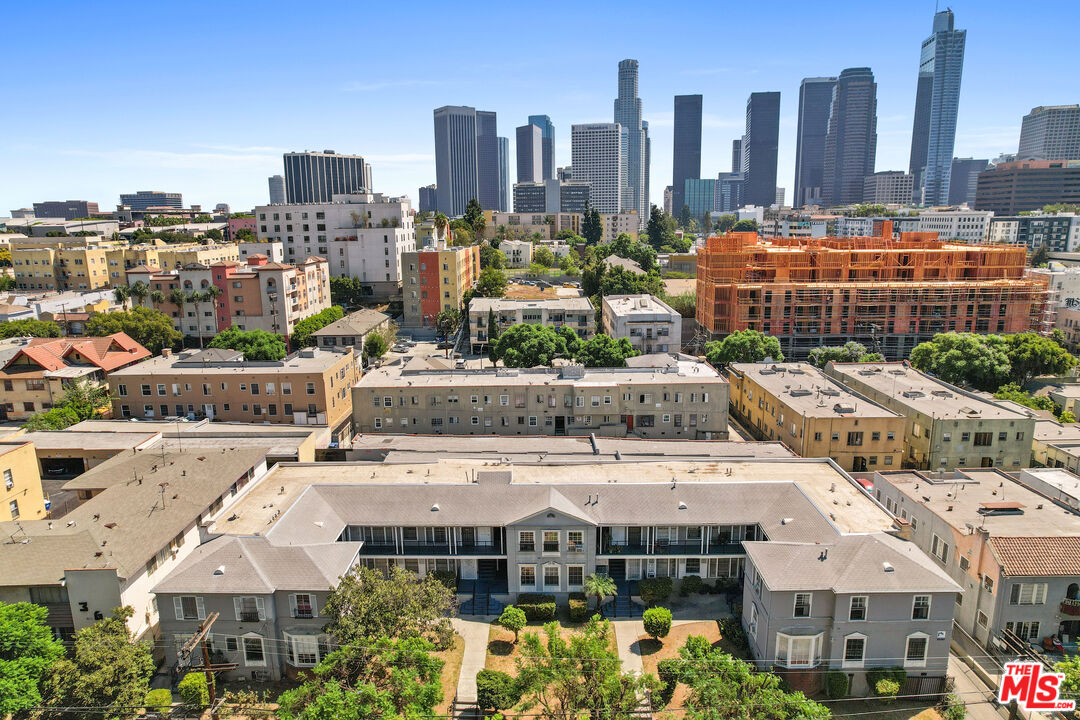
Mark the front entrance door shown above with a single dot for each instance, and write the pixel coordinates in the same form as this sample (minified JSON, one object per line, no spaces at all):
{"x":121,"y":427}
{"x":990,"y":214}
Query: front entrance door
{"x":560,"y":424}
{"x":468,"y":536}
{"x":629,"y":423}
{"x":858,"y":464}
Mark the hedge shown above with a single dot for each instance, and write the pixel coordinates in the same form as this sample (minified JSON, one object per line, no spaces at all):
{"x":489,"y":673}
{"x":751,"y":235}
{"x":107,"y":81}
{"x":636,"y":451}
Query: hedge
{"x":537,"y":606}
{"x":496,"y":690}
{"x":836,"y":684}
{"x":668,"y":671}
{"x":194,"y":692}
{"x":691,"y":584}
{"x":731,"y":629}
{"x":898,"y":674}
{"x":158,"y":699}
{"x":579,"y":607}
{"x":654,"y":590}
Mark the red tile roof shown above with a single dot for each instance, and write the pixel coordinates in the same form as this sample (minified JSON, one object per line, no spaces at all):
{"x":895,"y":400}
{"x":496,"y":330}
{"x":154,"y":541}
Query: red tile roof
{"x":1034,"y":556}
{"x":108,"y":353}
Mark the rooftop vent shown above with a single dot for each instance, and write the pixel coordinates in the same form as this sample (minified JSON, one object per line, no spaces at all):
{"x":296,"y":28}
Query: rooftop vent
{"x":435,"y":507}
{"x":1005,"y":507}
{"x":913,"y":393}
{"x":897,"y":371}
{"x":220,"y":570}
{"x":682,"y":505}
{"x":941,"y":393}
{"x":799,"y":392}
{"x":797,"y":370}
{"x":970,"y":411}
{"x":831,"y":392}
{"x":843,"y":408}
{"x":887,"y":567}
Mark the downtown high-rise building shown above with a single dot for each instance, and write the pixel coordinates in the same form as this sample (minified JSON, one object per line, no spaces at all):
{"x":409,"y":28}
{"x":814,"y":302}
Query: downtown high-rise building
{"x":686,"y":157}
{"x":635,"y":143}
{"x":429,"y":199}
{"x":759,"y":148}
{"x":315,"y":177}
{"x":276,"y":185}
{"x":815,"y":101}
{"x":1050,"y":133}
{"x":466,"y":160}
{"x":937,"y":100}
{"x":851,"y":141}
{"x":598,"y":159}
{"x":964,"y":179}
{"x":736,"y":156}
{"x":487,"y":160}
{"x":547,"y":151}
{"x":530,"y":153}
{"x":146,"y":199}
{"x":504,"y":174}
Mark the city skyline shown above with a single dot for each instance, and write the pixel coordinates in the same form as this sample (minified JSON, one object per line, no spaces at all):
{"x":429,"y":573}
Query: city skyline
{"x":216,"y":157}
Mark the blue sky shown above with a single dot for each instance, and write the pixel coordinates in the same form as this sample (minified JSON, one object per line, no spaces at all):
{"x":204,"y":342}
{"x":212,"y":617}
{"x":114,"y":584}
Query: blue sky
{"x":202,"y":98}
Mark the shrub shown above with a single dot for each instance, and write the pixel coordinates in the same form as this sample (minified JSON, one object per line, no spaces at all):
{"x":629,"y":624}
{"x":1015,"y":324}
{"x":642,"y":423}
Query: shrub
{"x":579,"y":607}
{"x":657,"y":621}
{"x":836,"y":684}
{"x":897,"y":674}
{"x":194,"y":692}
{"x":668,"y":671}
{"x":887,"y":689}
{"x":537,"y":606}
{"x":952,"y":707}
{"x":158,"y":699}
{"x":732,"y":631}
{"x":654,"y":590}
{"x":513,"y":619}
{"x":496,"y":690}
{"x":691,"y":584}
{"x":446,"y":577}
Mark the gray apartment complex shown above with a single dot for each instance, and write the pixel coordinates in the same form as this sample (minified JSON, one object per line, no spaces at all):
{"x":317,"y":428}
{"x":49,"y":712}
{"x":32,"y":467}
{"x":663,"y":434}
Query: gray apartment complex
{"x":576,"y":313}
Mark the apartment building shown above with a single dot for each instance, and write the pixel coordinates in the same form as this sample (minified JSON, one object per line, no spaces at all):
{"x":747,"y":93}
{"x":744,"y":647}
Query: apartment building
{"x":310,"y":387}
{"x":40,"y":227}
{"x":969,"y":226}
{"x":891,"y":187}
{"x":36,"y":377}
{"x":1056,"y":445}
{"x":22,"y":497}
{"x":524,"y":225}
{"x":1009,"y":188}
{"x":1012,"y":550}
{"x":352,"y":330}
{"x":663,"y":397}
{"x":815,"y":416}
{"x":946,"y":427}
{"x":546,"y":525}
{"x":166,"y":256}
{"x":576,"y":313}
{"x":887,"y":294}
{"x":362,"y":235}
{"x":518,"y":253}
{"x":435,"y":280}
{"x":650,"y":324}
{"x":60,"y":264}
{"x":259,"y":295}
{"x":1057,"y":233}
{"x":110,"y":551}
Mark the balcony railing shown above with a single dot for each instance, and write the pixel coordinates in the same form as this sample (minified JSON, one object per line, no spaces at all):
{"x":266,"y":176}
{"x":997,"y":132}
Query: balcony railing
{"x":249,"y":615}
{"x":669,"y":548}
{"x":1070,"y":607}
{"x":421,"y":548}
{"x":303,"y":611}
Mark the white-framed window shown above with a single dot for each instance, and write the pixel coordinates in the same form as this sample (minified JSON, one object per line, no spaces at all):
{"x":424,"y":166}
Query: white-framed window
{"x":551,"y":577}
{"x":575,"y":576}
{"x":1026,"y":630}
{"x":918,"y":645}
{"x":857,"y":608}
{"x":528,"y":576}
{"x":575,"y":541}
{"x":551,"y":542}
{"x":504,"y":400}
{"x":304,"y":650}
{"x":982,"y":619}
{"x":254,"y":650}
{"x":802,"y":605}
{"x":249,"y":608}
{"x":526,"y":541}
{"x":854,"y":650}
{"x":939,"y":549}
{"x":1028,"y":594}
{"x":920,"y":607}
{"x":303,"y":605}
{"x":189,"y":607}
{"x":798,"y":651}
{"x":751,"y":624}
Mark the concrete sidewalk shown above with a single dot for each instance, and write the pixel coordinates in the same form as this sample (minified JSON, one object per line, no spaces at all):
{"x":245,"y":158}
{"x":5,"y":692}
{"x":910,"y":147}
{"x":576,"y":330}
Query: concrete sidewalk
{"x":973,"y":691}
{"x":627,"y":633}
{"x":474,"y":630}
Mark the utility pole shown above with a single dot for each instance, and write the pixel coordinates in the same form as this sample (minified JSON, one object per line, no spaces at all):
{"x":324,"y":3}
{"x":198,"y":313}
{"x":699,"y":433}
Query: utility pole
{"x":207,"y":667}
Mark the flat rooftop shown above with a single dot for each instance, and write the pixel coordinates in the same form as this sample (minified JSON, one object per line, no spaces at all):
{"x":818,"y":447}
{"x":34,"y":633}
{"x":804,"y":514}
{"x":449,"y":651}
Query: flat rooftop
{"x":1060,"y":478}
{"x":631,"y":305}
{"x":1053,"y":432}
{"x":809,"y":392}
{"x":840,"y":503}
{"x":572,"y":304}
{"x":923,"y":393}
{"x":188,"y":363}
{"x":90,"y":440}
{"x":967,"y":497}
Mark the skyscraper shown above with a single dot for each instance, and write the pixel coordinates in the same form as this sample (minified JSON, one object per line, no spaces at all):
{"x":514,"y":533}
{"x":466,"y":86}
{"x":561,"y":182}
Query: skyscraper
{"x":530,"y":150}
{"x":1050,"y":133}
{"x":144,"y":199}
{"x":314,"y":177}
{"x":598,"y":159}
{"x":815,"y":100}
{"x":487,"y":159}
{"x":429,"y":199}
{"x":547,"y":131}
{"x":686,"y":160}
{"x":759,"y":147}
{"x":504,"y":174}
{"x":736,"y":156}
{"x":936,"y":102}
{"x":277,"y":189}
{"x":635,"y":141}
{"x":455,"y":158}
{"x":964,"y":179}
{"x":851,"y":142}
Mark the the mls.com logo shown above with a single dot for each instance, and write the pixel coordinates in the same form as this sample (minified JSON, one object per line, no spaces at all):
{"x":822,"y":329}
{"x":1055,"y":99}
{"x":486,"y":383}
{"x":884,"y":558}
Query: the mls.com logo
{"x":1032,"y":687}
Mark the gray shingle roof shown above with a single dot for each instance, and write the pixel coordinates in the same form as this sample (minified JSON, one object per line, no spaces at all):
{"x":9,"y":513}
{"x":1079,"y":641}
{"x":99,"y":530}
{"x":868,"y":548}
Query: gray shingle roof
{"x":355,"y":323}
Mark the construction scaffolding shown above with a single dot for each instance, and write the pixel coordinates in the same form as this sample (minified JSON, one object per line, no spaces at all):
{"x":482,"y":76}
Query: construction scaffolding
{"x":889,"y":294}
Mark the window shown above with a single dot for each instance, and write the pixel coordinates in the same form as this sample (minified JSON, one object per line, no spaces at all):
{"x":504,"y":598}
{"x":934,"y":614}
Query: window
{"x":575,"y":541}
{"x":917,"y":645}
{"x":302,"y":605}
{"x":303,"y":650}
{"x":983,"y":439}
{"x":575,"y":576}
{"x":551,"y":576}
{"x":528,"y":576}
{"x":802,"y":605}
{"x":526,"y":541}
{"x":795,"y":651}
{"x":1028,"y":594}
{"x":189,"y":607}
{"x":940,"y":549}
{"x":13,"y":508}
{"x":551,"y":541}
{"x":9,"y":481}
{"x":982,"y":619}
{"x":249,"y":609}
{"x":920,"y":607}
{"x":854,"y":650}
{"x":231,"y":644}
{"x":310,"y":388}
{"x":1026,"y":630}
{"x":854,"y":438}
{"x":988,"y":583}
{"x":253,"y":650}
{"x":964,"y":563}
{"x":857,"y":609}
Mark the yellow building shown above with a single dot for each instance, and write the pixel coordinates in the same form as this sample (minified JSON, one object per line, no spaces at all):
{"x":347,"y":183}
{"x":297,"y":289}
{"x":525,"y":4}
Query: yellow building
{"x":815,"y":416}
{"x":435,"y":280}
{"x":22,"y":497}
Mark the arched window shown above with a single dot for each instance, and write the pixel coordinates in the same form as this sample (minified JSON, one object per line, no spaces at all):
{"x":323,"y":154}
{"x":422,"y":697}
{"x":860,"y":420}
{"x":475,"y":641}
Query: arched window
{"x":204,"y":284}
{"x":1073,"y":591}
{"x":187,"y":284}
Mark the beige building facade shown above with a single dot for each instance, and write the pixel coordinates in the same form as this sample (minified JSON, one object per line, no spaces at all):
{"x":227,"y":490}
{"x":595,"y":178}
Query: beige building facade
{"x":21,"y":496}
{"x":576,"y":313}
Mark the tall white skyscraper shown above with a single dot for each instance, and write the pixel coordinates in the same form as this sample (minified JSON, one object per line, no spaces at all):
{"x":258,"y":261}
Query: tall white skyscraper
{"x":635,"y":188}
{"x":599,"y":159}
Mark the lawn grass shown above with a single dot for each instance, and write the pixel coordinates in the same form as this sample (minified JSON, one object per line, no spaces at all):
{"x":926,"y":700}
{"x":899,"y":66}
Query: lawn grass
{"x":858,"y":709}
{"x":451,"y":671}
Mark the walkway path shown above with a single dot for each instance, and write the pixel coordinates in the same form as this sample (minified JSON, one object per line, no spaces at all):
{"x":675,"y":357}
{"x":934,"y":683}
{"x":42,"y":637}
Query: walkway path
{"x":627,"y":633}
{"x":474,"y":630}
{"x":972,"y":690}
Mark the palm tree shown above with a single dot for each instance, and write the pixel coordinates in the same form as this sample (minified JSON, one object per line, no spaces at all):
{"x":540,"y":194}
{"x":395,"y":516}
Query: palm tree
{"x":121,"y":293}
{"x":157,"y":297}
{"x":211,"y":295}
{"x":601,"y":586}
{"x":196,"y":298}
{"x":441,"y":223}
{"x":139,"y":290}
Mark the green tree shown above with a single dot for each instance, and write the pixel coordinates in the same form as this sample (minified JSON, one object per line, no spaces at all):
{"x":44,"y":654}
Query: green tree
{"x":1031,"y":355}
{"x":620,"y":281}
{"x":255,"y":344}
{"x":592,"y":226}
{"x":441,"y":224}
{"x":599,"y":587}
{"x":374,"y":346}
{"x":7,"y":283}
{"x":491,"y":283}
{"x":569,"y":265}
{"x":121,"y":293}
{"x":448,"y":321}
{"x":246,"y":235}
{"x":849,"y":352}
{"x":106,"y":668}
{"x":496,"y":690}
{"x":979,"y":361}
{"x":1069,"y":666}
{"x":544,"y":256}
{"x":655,"y":229}
{"x":27,"y":652}
{"x":570,"y":339}
{"x":526,"y":345}
{"x":657,"y":621}
{"x":491,"y":257}
{"x":56,"y":418}
{"x":1040,"y":256}
{"x":685,"y":216}
{"x":1066,"y":417}
{"x":1012,"y":392}
{"x":204,"y":218}
{"x":29,"y":328}
{"x":366,"y":605}
{"x":742,"y":347}
{"x":684,"y":303}
{"x":605,"y":351}
{"x":536,"y":269}
{"x":301,"y":334}
{"x":152,"y":329}
{"x":579,"y":676}
{"x":474,"y":218}
{"x":725,"y":222}
{"x":513,"y":619}
{"x":745,"y":226}
{"x":139,"y":290}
